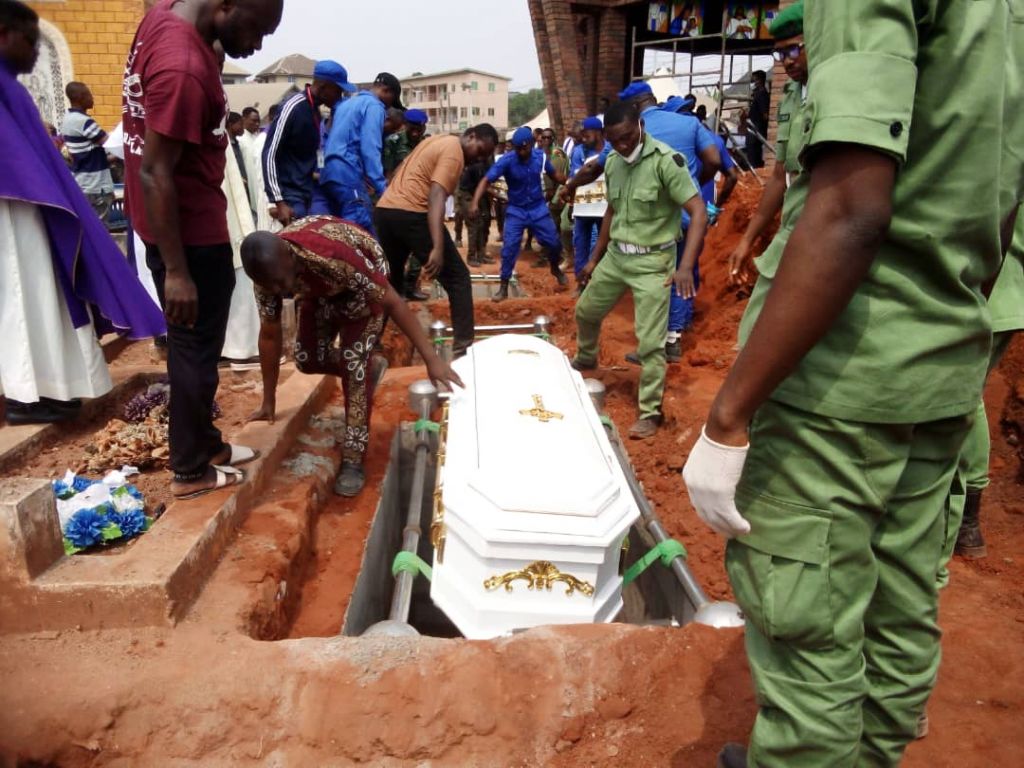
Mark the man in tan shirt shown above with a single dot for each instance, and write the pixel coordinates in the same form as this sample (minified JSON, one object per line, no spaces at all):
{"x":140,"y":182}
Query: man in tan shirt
{"x":410,"y":219}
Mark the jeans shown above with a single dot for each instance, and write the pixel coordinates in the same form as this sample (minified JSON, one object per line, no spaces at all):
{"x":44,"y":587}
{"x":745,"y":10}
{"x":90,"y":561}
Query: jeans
{"x":585,"y":230}
{"x":192,"y":355}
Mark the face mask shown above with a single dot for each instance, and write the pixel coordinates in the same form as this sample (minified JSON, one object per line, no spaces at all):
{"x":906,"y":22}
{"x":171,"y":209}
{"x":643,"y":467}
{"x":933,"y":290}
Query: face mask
{"x":636,"y":151}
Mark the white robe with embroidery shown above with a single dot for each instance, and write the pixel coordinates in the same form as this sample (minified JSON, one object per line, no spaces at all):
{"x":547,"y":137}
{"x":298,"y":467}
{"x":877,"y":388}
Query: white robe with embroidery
{"x":241,"y":341}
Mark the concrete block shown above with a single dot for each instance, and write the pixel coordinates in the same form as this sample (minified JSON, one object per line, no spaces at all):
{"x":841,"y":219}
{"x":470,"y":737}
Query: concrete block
{"x":30,"y":538}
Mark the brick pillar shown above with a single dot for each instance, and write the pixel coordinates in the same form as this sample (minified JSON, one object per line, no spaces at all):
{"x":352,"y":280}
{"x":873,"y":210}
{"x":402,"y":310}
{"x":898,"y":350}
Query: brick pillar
{"x":779,"y":80}
{"x":566,"y":100}
{"x":547,"y":65}
{"x":613,"y":56}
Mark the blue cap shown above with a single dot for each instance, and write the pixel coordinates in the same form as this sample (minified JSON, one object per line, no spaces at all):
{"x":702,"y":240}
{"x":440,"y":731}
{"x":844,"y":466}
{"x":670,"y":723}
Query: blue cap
{"x":333,"y":72}
{"x":678,"y":104}
{"x":416,"y":116}
{"x":633,"y":90}
{"x":593,"y":123}
{"x":522,"y":136}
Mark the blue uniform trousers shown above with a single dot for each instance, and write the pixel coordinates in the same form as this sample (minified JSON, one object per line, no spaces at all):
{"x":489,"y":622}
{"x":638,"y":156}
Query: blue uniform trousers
{"x":585,"y":230}
{"x":680,"y":310}
{"x":538,"y":221}
{"x":350,"y":204}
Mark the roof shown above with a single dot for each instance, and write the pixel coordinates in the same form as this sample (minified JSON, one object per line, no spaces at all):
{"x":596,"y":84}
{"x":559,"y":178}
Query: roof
{"x":233,"y":70}
{"x":448,"y":72}
{"x":293,"y":64}
{"x":259,"y":95}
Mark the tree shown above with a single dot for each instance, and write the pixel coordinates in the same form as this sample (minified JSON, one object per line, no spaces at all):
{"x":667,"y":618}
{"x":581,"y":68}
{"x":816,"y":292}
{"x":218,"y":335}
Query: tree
{"x":523,"y":107}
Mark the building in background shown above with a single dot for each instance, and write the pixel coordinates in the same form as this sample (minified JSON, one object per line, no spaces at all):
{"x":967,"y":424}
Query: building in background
{"x":590,"y":49}
{"x":260,"y":95}
{"x":459,"y":98}
{"x":85,"y":40}
{"x":232,"y":74}
{"x":294,"y":68}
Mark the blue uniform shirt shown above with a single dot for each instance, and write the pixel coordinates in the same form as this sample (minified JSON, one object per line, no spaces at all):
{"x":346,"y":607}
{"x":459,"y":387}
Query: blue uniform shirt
{"x":581,"y":154}
{"x":525,"y":189}
{"x":684,"y":133}
{"x":354,"y":146}
{"x":707,"y":191}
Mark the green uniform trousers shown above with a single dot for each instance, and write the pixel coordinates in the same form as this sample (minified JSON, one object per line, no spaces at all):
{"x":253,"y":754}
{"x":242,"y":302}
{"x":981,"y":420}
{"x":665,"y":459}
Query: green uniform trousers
{"x":644,"y":275}
{"x":837,"y":580}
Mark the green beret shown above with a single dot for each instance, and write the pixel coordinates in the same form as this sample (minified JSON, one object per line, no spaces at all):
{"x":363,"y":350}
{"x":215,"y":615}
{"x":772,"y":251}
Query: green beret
{"x":789,"y":22}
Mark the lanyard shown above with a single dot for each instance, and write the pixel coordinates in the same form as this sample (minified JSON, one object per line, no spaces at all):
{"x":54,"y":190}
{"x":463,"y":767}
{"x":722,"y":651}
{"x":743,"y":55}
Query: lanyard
{"x":315,"y":108}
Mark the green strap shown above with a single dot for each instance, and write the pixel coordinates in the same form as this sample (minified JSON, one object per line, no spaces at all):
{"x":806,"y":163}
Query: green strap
{"x":666,"y":551}
{"x":607,"y":421}
{"x":427,"y":424}
{"x":410,"y":562}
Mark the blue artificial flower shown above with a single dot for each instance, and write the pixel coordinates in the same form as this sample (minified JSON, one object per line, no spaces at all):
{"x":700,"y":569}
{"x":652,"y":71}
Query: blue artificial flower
{"x":85,"y":527}
{"x":132,"y":522}
{"x":64,"y":491}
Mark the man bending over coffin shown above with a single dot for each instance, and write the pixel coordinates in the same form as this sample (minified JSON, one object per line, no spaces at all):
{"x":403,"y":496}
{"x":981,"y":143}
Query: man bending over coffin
{"x":339,"y":277}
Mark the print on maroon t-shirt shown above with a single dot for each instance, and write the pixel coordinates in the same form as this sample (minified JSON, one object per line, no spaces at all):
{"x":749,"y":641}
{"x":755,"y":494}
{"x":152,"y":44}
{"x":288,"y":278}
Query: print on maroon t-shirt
{"x":172,"y":85}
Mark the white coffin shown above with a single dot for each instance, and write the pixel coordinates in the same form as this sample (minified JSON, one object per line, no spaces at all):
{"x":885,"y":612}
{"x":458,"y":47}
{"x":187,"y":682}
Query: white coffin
{"x":591,"y":199}
{"x":532,"y":506}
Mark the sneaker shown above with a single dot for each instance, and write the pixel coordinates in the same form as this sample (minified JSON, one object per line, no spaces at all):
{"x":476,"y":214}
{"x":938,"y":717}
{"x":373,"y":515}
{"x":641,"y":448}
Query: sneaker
{"x":674,"y":351}
{"x":645,"y":428}
{"x":580,"y":365}
{"x":350,"y":480}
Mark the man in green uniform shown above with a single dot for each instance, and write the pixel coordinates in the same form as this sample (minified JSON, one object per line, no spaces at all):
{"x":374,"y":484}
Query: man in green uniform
{"x":788,"y":31}
{"x":559,"y":210}
{"x":861,"y":372}
{"x":647,"y":182}
{"x":1006,"y":305}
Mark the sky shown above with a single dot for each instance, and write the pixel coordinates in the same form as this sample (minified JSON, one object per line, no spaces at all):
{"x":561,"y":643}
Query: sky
{"x":406,"y":36}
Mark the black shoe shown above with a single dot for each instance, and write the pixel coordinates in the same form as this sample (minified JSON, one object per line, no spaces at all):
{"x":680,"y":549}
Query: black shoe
{"x":36,"y":413}
{"x":350,"y":480}
{"x":502,"y":293}
{"x":969,"y":541}
{"x":581,"y":365}
{"x":674,"y":351}
{"x":414,"y":294}
{"x":72,"y":406}
{"x":474,"y":262}
{"x":560,"y":276}
{"x":733,"y":756}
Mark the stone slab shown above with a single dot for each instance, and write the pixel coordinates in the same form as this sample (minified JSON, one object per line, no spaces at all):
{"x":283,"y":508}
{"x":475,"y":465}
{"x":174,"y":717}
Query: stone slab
{"x":30,"y":538}
{"x":156,"y":578}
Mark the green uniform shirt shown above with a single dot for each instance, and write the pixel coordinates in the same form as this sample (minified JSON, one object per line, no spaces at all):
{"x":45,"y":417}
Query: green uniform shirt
{"x":1006,"y":303}
{"x":913,"y":343}
{"x":648,"y":195}
{"x":789,"y":141}
{"x":397,"y":147}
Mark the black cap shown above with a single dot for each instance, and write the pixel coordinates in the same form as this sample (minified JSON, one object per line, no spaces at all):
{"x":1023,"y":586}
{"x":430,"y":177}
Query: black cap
{"x":393,"y":84}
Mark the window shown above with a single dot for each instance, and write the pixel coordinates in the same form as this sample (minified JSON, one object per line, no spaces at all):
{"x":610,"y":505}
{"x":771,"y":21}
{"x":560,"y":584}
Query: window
{"x":490,"y":111}
{"x":444,"y":88}
{"x":475,"y":85}
{"x":476,"y":111}
{"x":462,"y":112}
{"x":463,"y":125}
{"x":490,"y":87}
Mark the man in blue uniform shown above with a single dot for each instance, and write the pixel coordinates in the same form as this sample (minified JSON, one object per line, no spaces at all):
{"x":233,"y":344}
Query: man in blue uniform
{"x":354,"y":147}
{"x":592,"y":147}
{"x":527,"y":208}
{"x":292,"y":152}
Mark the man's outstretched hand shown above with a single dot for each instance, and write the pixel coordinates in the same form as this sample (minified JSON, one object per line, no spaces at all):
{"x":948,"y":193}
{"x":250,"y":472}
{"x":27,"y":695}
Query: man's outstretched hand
{"x":711,"y":474}
{"x":441,"y":373}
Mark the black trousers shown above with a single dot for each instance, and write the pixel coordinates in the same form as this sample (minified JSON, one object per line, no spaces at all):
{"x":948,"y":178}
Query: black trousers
{"x":192,"y":355}
{"x":405,"y":232}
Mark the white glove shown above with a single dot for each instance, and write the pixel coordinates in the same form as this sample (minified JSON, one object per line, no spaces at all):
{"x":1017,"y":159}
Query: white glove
{"x":711,"y":475}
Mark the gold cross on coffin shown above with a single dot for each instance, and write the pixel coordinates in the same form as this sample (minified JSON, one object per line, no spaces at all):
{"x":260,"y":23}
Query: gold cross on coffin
{"x":539,"y":412}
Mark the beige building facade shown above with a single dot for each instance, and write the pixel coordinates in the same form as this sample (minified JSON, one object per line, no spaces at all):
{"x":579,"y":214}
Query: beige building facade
{"x":459,"y":98}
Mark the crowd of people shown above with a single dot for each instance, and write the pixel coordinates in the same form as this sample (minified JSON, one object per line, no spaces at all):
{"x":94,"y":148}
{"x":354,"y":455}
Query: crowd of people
{"x":848,"y":440}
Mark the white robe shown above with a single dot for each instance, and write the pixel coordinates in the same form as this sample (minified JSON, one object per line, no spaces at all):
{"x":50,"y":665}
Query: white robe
{"x":241,"y":340}
{"x":252,"y":153}
{"x":42,"y":354}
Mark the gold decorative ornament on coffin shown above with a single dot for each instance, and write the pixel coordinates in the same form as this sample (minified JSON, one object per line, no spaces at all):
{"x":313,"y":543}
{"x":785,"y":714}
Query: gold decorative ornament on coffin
{"x":540,"y":575}
{"x":528,"y":352}
{"x":437,"y":529}
{"x":591,"y":193}
{"x":539,"y":412}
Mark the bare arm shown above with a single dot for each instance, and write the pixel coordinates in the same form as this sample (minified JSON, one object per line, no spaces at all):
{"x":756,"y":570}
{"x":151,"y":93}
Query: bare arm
{"x":481,"y":190}
{"x":600,"y":247}
{"x":440,"y":372}
{"x":683,"y":277}
{"x":771,"y":203}
{"x":848,"y":210}
{"x":711,"y":163}
{"x":270,"y":344}
{"x":585,"y":175}
{"x":731,"y":177}
{"x":160,"y":198}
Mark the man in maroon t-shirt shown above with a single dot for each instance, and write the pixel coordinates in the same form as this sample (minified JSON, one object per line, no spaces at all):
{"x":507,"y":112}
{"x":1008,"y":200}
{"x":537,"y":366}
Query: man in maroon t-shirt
{"x":175,"y":140}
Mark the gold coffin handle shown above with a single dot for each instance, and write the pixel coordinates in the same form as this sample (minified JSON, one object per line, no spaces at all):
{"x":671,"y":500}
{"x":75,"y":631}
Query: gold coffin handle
{"x":539,"y":575}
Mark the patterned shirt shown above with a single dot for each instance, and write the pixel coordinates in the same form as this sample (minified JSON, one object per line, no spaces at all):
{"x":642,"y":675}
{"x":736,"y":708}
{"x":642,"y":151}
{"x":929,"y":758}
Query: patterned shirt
{"x":335,"y":260}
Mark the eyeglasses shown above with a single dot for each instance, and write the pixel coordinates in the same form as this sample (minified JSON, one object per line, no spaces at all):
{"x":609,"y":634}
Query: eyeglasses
{"x":787,"y":52}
